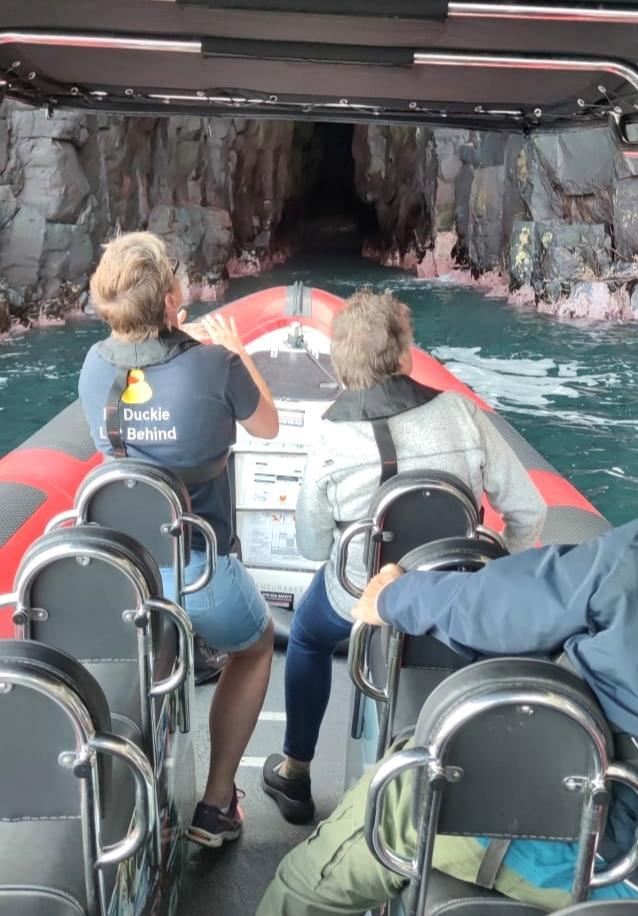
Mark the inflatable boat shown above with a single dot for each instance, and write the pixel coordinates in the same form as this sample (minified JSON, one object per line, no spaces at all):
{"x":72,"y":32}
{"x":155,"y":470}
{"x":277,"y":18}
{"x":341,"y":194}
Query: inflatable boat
{"x":287,"y":332}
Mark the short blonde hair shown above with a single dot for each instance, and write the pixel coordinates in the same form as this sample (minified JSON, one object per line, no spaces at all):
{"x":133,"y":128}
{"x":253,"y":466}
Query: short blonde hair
{"x":130,"y":284}
{"x":369,"y":338}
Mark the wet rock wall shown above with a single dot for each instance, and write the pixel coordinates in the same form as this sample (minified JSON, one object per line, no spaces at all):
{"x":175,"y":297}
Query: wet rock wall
{"x":214,"y":189}
{"x":551,"y":220}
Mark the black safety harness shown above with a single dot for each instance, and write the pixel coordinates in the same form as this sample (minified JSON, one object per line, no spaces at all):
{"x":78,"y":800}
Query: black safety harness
{"x":393,"y":396}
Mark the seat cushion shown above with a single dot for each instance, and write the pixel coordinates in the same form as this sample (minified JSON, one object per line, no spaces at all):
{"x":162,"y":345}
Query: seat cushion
{"x":43,"y":853}
{"x":47,"y":853}
{"x":448,"y":896}
{"x":120,"y":682}
{"x":43,"y":901}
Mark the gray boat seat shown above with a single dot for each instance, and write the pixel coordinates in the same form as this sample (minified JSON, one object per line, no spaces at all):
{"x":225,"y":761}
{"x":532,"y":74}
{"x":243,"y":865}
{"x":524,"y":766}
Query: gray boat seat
{"x":73,"y":587}
{"x":602,"y":908}
{"x":478,"y":771}
{"x":423,"y":662}
{"x":152,"y":505}
{"x":416,"y":507}
{"x":409,"y":510}
{"x":140,"y":499}
{"x":449,"y":896}
{"x":51,"y":705}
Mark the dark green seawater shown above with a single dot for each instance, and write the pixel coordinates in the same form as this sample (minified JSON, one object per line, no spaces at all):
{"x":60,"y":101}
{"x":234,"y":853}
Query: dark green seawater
{"x":570,"y":389}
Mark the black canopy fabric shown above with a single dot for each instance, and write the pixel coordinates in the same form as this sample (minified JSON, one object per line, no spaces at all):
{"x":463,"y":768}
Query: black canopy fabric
{"x":406,"y":9}
{"x":372,"y":61}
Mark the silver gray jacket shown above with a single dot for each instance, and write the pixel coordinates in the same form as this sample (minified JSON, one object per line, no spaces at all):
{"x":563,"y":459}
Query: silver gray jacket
{"x":449,"y":433}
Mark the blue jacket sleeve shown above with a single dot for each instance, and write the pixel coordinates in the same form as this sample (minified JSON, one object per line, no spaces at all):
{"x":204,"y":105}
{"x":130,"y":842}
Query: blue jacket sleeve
{"x":530,"y":602}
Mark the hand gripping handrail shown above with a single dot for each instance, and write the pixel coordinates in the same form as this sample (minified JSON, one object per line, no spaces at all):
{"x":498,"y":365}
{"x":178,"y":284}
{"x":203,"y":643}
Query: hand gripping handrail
{"x":360,"y":527}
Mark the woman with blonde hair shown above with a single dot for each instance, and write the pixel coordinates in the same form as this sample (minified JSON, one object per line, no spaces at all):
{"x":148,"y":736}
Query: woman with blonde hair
{"x":428,"y":430}
{"x":182,"y":401}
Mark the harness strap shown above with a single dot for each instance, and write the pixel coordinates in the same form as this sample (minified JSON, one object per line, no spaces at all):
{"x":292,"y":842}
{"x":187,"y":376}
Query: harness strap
{"x":202,"y":472}
{"x":387,"y":451}
{"x":491,"y":862}
{"x":113,"y":418}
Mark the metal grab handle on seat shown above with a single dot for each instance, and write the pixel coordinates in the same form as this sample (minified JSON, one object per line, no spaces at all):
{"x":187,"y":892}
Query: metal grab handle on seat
{"x":342,"y":554}
{"x":357,"y":661}
{"x":210,"y":545}
{"x":184,"y":646}
{"x":180,"y":678}
{"x":146,"y":816}
{"x":481,"y":532}
{"x":399,"y":763}
{"x":8,"y":600}
{"x":623,"y":867}
{"x":69,"y":515}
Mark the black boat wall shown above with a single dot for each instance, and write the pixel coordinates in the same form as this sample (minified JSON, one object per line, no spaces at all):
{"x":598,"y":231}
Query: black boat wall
{"x":555,"y":214}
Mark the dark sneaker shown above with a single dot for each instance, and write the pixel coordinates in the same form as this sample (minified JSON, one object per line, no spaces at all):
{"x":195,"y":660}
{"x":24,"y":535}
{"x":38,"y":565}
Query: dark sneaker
{"x":211,"y":826}
{"x":292,"y":795}
{"x":209,"y":663}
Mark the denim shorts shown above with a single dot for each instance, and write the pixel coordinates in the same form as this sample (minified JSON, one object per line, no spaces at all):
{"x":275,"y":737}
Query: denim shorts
{"x":229,"y":613}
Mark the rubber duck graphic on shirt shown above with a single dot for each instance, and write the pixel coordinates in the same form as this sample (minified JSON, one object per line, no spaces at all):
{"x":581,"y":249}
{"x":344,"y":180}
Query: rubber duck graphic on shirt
{"x":138,"y":390}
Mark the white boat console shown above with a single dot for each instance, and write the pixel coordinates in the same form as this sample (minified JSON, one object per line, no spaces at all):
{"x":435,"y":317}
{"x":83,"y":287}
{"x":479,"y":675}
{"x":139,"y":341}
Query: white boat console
{"x":267,"y":473}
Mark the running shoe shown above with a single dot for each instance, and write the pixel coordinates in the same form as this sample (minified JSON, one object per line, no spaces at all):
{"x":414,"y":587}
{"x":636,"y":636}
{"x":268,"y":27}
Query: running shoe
{"x":211,"y":826}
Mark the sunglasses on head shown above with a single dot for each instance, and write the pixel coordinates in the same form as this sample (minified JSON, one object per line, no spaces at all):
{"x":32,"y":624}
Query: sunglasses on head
{"x":174,"y":265}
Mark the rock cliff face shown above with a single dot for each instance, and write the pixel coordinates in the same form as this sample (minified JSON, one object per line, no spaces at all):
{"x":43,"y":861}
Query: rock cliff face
{"x":551,"y":220}
{"x":215,"y":190}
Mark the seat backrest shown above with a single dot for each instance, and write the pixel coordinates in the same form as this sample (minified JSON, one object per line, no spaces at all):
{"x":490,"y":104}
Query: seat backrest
{"x":488,"y":721}
{"x":602,"y":908}
{"x":463,"y":555}
{"x":416,"y":507}
{"x":140,"y":499}
{"x":69,"y":809}
{"x":478,"y":771}
{"x":36,"y":729}
{"x":73,"y":586}
{"x":390,"y":652}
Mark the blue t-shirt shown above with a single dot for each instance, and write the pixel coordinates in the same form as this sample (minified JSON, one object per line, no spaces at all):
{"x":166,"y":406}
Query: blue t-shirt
{"x":179,"y":410}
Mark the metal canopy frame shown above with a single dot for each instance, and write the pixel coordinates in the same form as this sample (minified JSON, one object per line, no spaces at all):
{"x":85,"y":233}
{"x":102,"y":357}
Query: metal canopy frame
{"x":228,"y":101}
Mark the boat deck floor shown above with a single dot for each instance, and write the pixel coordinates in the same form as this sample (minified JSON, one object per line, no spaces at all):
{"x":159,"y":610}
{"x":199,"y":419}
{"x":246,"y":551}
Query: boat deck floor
{"x":231,"y":881}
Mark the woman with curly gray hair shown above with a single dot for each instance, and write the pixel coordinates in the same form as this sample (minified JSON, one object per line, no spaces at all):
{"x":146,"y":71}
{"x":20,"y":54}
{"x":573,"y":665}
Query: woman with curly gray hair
{"x":430,"y":430}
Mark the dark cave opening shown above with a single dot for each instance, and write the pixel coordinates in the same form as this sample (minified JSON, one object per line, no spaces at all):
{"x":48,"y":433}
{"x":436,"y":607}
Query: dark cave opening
{"x":329,"y":215}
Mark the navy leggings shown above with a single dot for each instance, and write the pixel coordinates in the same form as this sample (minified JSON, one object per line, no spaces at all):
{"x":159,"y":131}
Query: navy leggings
{"x":316,"y":631}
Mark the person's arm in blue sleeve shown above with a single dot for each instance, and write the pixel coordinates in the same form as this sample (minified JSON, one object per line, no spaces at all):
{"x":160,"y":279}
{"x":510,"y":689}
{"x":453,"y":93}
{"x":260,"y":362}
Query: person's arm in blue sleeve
{"x":530,"y":602}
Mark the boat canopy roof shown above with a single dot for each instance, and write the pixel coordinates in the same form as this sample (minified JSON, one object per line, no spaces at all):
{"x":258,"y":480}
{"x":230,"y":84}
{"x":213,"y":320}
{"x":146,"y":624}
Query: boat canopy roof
{"x":501,"y":65}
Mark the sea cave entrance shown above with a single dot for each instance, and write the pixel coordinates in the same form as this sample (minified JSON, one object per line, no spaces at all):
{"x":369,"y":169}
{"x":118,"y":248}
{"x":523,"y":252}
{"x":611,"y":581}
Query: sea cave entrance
{"x":328,"y":214}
